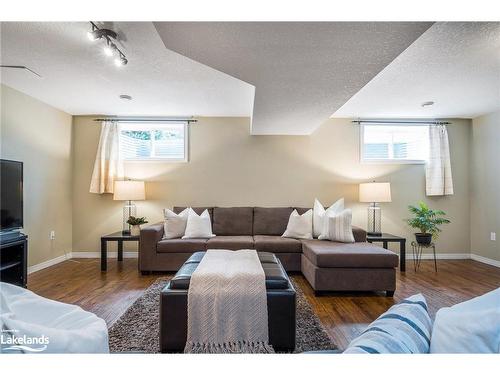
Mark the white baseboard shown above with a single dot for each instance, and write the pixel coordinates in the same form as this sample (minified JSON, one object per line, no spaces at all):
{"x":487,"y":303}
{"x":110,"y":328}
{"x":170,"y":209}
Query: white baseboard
{"x":135,"y":254}
{"x":79,"y":254}
{"x":491,"y":262}
{"x":97,"y":254}
{"x":48,"y":263}
{"x":450,"y":256}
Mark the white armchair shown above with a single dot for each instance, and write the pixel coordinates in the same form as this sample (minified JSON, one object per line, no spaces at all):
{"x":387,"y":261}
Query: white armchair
{"x":34,"y":324}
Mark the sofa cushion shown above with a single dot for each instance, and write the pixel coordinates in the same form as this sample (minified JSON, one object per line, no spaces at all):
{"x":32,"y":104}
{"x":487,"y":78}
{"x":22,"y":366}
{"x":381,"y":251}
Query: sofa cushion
{"x":233,"y":221}
{"x":301,"y":210}
{"x":230,"y":242}
{"x":178,"y":245}
{"x":328,"y":254}
{"x":277,"y":244}
{"x":270,"y":221}
{"x":198,"y":210}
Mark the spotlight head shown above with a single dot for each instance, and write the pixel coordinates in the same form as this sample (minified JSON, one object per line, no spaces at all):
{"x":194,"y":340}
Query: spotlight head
{"x":100,"y":33}
{"x":93,"y":35}
{"x":120,"y":61}
{"x":109,"y":49}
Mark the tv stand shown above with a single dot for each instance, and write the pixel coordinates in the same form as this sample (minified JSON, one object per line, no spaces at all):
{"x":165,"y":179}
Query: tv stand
{"x":14,"y":260}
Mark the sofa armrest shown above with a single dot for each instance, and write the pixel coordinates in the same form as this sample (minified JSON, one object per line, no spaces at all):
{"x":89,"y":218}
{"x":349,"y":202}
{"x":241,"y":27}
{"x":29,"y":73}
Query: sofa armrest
{"x":150,"y":236}
{"x":359,"y":234}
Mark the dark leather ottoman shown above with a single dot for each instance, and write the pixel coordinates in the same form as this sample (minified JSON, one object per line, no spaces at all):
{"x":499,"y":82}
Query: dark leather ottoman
{"x":280,"y":305}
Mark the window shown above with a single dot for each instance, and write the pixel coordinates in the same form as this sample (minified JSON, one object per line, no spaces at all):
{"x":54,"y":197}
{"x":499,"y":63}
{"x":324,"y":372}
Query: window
{"x":154,"y":141}
{"x":394,"y":143}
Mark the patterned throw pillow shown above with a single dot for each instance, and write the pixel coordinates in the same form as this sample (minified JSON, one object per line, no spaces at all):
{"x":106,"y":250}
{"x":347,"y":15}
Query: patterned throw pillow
{"x":338,"y":227}
{"x":404,"y":328}
{"x":319,"y":215}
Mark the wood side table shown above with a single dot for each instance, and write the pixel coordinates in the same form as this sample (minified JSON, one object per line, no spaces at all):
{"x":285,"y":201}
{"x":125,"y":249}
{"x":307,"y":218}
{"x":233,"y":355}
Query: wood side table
{"x":385,"y":238}
{"x":118,"y":237}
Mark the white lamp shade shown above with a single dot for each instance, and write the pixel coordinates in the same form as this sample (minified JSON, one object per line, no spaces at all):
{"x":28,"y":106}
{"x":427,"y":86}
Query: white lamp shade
{"x":375,"y":192}
{"x":129,"y":191}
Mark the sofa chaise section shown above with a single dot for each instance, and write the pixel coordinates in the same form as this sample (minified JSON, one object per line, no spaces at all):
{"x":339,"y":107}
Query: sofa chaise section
{"x":360,"y":266}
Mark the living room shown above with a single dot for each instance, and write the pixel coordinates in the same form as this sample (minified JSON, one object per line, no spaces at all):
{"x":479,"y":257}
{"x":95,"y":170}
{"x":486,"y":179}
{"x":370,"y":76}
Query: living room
{"x":321,"y":176}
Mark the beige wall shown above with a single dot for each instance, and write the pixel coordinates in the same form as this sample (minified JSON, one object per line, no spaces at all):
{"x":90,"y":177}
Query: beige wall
{"x":40,"y":136}
{"x":485,"y":186}
{"x":229,"y":167}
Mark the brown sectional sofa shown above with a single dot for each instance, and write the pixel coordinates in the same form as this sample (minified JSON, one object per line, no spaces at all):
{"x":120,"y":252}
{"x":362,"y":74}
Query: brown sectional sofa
{"x":328,"y":266}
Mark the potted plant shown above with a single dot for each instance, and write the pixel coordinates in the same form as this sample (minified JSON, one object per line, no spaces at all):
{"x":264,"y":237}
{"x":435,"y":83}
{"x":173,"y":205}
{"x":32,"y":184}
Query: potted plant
{"x":427,"y":221}
{"x":136,"y":223}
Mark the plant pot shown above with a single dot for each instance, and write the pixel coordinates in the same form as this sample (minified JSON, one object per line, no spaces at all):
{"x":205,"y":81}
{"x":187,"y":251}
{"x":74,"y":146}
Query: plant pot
{"x":423,"y":238}
{"x":135,"y":230}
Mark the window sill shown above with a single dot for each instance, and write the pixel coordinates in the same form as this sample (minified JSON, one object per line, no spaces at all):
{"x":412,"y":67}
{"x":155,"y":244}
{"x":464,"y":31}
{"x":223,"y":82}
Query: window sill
{"x":155,"y":160}
{"x":392,"y":161}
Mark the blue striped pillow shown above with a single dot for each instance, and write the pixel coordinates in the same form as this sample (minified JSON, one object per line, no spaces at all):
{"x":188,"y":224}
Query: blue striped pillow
{"x":404,"y":328}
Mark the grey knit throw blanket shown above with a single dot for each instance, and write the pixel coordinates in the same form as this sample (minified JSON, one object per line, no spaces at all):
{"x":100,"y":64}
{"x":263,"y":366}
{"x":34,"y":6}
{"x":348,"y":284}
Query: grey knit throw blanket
{"x":227,"y":304}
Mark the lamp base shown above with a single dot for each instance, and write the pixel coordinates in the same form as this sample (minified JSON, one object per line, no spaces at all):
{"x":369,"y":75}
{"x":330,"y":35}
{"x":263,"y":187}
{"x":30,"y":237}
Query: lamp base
{"x":374,"y":220}
{"x":129,"y":209}
{"x":374,"y":234}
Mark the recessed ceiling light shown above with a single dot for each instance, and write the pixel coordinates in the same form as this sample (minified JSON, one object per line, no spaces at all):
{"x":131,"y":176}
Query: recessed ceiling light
{"x":427,"y":104}
{"x":125,"y":97}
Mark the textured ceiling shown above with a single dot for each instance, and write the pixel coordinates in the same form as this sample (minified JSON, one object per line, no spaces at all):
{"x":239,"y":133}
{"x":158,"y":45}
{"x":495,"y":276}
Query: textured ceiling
{"x":79,"y":79}
{"x":290,"y":77}
{"x":456,"y":65}
{"x":302,"y":71}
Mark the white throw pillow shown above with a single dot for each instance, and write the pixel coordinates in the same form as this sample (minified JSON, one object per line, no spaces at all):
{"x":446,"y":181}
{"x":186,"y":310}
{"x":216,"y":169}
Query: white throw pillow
{"x":175,"y":224}
{"x":339,"y":227}
{"x":198,"y":226}
{"x":469,"y":327}
{"x":299,"y":226}
{"x":320,"y":212}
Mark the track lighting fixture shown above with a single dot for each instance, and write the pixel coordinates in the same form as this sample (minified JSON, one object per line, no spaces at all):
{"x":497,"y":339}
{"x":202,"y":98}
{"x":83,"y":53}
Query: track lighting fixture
{"x":110,"y":48}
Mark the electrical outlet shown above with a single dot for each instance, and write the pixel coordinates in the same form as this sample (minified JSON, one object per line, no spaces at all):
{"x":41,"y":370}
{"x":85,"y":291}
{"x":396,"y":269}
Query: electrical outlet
{"x":52,"y":235}
{"x":493,"y":236}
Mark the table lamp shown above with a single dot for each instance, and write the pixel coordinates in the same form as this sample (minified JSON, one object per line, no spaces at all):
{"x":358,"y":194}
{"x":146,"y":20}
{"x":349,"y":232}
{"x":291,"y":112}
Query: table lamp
{"x":129,"y":191}
{"x":375,"y":193}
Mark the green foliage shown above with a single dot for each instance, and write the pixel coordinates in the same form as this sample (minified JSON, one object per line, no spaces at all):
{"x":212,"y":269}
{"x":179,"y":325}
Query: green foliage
{"x":132,"y":220}
{"x":158,"y":135}
{"x":138,"y":134}
{"x":427,"y":220}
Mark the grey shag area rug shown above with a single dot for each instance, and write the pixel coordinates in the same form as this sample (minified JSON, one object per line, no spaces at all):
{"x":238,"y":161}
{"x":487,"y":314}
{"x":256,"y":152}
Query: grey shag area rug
{"x":137,"y":330}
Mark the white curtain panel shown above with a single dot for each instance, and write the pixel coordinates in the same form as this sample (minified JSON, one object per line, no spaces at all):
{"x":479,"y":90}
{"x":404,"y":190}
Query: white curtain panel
{"x":438,"y":178}
{"x":107,"y":166}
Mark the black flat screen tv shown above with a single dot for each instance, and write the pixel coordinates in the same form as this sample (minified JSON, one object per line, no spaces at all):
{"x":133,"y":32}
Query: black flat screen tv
{"x":11,"y":192}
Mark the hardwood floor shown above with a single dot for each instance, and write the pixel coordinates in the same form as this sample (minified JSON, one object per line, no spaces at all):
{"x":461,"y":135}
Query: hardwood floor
{"x":344,"y":315}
